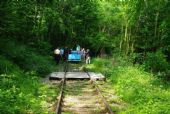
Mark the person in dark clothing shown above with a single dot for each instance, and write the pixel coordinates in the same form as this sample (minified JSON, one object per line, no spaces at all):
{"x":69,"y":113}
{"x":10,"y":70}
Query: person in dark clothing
{"x":62,"y":53}
{"x":66,"y":52}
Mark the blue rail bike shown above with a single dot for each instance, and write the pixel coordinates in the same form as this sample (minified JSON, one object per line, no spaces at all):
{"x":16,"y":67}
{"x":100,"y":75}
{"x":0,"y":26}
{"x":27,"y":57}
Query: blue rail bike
{"x":74,"y":56}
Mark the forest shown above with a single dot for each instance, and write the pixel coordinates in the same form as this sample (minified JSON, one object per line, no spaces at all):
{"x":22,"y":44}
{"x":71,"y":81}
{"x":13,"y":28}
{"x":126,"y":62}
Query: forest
{"x":129,"y":41}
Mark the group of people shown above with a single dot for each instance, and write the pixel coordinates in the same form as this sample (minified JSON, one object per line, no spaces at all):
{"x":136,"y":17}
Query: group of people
{"x":62,"y":54}
{"x":85,"y":55}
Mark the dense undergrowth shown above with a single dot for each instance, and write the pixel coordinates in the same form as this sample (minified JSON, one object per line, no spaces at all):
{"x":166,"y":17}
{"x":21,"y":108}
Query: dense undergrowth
{"x":21,"y":68}
{"x":144,"y":92}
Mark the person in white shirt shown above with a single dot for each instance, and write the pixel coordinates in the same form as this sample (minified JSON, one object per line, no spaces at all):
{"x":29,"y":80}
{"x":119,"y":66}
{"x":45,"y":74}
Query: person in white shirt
{"x":57,"y":55}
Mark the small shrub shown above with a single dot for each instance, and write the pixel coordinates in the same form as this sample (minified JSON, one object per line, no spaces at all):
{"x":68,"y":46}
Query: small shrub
{"x":156,"y":62}
{"x":137,"y":58}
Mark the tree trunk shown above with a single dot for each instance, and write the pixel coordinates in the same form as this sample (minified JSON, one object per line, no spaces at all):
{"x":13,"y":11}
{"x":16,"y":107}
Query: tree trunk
{"x":126,"y":47}
{"x":121,"y":41}
{"x":156,"y":24}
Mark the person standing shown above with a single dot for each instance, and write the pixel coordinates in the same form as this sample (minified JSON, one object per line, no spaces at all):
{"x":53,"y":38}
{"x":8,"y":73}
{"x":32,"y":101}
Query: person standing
{"x":87,"y":56}
{"x":78,"y":48}
{"x":62,"y":53}
{"x":66,"y":52}
{"x":57,"y":55}
{"x":83,"y":53}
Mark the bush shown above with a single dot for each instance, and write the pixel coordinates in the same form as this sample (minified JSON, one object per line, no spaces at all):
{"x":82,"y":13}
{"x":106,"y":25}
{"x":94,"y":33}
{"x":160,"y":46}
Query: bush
{"x":6,"y":66}
{"x":43,"y":47}
{"x":20,"y":91}
{"x":100,"y":65}
{"x":156,"y":62}
{"x":26,"y":57}
{"x":137,"y":58}
{"x":20,"y":68}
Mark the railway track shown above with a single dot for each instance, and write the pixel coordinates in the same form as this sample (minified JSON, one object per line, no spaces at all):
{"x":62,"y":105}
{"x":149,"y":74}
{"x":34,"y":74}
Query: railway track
{"x":80,"y":96}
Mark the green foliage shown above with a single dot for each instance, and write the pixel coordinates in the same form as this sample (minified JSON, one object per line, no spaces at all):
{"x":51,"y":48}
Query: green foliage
{"x":43,"y":47}
{"x":143,"y":92}
{"x":156,"y":61}
{"x":30,"y":29}
{"x":127,"y":26}
{"x":27,"y":58}
{"x":136,"y":87}
{"x":22,"y":92}
{"x":12,"y":97}
{"x":20,"y":69}
{"x":6,"y":65}
{"x":100,"y":65}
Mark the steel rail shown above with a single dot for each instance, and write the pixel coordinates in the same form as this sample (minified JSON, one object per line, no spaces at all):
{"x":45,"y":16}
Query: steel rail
{"x":59,"y":103}
{"x":101,"y":95}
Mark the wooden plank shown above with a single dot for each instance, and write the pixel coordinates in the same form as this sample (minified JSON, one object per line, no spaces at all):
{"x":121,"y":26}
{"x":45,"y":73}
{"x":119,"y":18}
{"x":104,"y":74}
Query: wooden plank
{"x":77,"y":75}
{"x":96,"y":76}
{"x":56,"y":75}
{"x":69,"y":75}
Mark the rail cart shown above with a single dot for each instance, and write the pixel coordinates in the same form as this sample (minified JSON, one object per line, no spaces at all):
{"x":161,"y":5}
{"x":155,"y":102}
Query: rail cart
{"x":74,"y":56}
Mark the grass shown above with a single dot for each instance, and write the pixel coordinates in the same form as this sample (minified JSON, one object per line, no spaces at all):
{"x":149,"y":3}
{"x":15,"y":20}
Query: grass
{"x":21,"y":69}
{"x":23,"y":93}
{"x":143,"y":92}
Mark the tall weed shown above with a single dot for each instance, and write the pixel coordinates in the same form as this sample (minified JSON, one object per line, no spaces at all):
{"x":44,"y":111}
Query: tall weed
{"x":142,"y":91}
